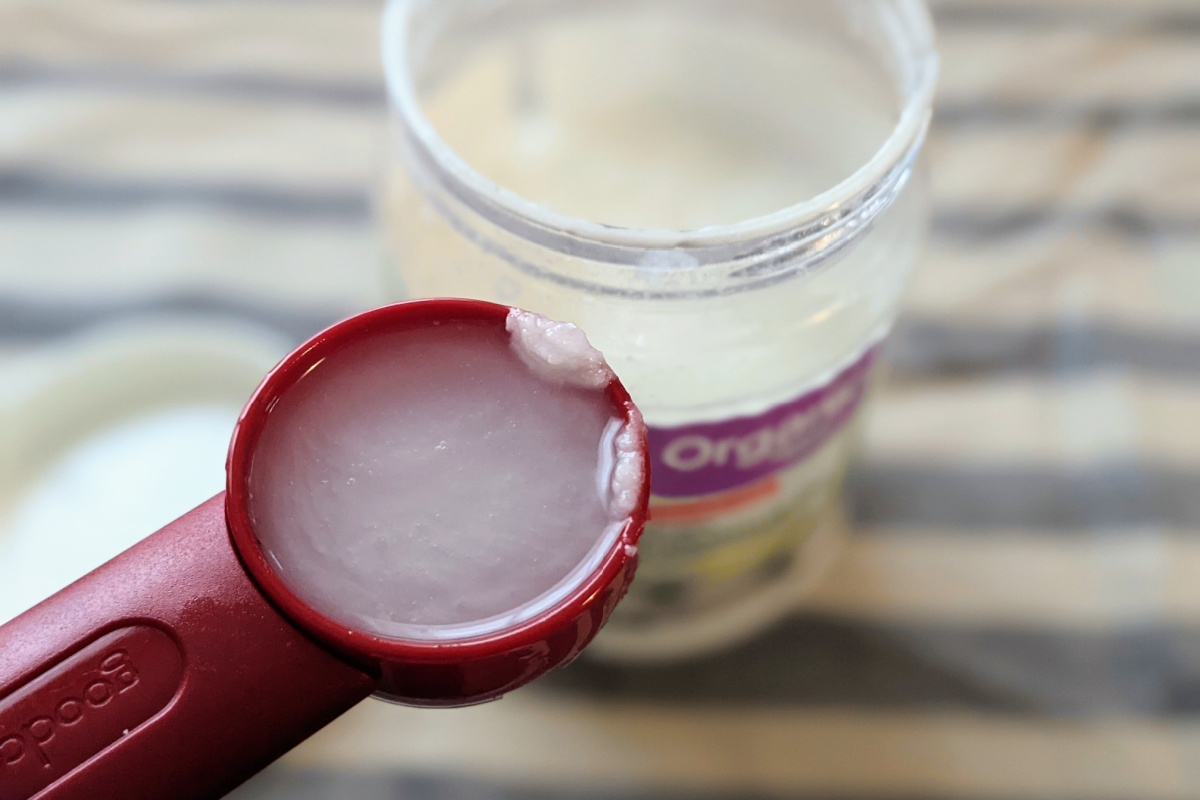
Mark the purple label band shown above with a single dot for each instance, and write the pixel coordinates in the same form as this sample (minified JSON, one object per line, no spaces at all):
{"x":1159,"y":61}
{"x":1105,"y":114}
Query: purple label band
{"x":710,"y":457}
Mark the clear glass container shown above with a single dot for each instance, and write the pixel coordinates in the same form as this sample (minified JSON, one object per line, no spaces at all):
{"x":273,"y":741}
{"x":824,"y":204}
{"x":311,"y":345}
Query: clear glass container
{"x":724,"y":195}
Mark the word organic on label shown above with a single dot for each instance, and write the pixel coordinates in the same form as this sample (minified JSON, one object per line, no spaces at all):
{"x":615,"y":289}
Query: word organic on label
{"x":705,"y":458}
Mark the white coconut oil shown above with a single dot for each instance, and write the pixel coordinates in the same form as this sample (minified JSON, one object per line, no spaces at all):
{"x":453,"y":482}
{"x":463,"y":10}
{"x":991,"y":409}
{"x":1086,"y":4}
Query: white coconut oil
{"x":716,"y":192}
{"x":446,"y":481}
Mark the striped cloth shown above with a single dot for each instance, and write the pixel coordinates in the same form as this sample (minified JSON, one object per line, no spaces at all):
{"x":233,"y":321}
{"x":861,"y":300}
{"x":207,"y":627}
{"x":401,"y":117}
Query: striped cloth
{"x":1018,"y":614}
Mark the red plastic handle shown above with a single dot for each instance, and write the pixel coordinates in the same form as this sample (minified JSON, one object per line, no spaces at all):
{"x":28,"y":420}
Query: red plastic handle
{"x":163,"y":674}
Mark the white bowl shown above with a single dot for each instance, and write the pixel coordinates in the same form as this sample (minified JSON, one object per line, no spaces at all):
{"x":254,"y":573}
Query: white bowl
{"x":107,"y":437}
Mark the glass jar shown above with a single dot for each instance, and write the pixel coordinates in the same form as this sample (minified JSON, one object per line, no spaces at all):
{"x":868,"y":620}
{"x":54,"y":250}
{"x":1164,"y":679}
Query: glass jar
{"x":723,"y":195}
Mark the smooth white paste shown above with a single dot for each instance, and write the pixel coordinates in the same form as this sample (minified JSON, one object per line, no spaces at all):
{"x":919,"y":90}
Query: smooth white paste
{"x":447,"y":481}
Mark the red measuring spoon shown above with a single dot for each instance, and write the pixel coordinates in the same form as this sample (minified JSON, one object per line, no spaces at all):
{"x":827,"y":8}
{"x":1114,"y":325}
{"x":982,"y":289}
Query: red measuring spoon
{"x":185,"y":665}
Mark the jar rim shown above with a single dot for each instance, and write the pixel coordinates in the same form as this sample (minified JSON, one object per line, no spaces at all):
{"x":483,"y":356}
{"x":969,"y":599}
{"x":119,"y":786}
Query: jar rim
{"x":884,"y":174}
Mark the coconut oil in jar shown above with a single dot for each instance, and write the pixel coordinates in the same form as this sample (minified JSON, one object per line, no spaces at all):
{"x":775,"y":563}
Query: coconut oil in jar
{"x":722,"y":193}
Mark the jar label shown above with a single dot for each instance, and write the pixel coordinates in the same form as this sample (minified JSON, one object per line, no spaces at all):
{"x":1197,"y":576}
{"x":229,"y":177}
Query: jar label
{"x":706,"y":458}
{"x":736,"y":507}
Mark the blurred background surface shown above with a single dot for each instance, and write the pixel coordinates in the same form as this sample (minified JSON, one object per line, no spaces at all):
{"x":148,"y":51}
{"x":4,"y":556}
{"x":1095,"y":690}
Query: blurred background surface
{"x":186,"y":191}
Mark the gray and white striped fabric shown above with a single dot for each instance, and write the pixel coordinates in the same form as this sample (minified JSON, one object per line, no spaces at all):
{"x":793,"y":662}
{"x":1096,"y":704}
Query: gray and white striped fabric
{"x":1018,"y":614}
